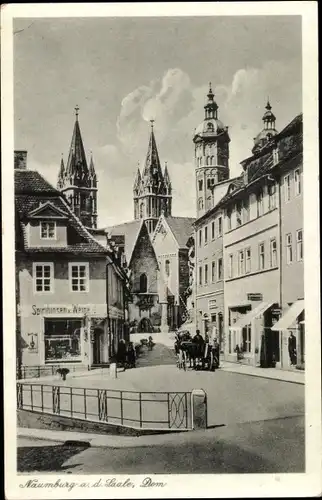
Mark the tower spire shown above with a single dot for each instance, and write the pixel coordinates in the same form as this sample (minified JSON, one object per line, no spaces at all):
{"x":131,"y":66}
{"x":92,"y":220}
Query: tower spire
{"x":76,"y":111}
{"x":61,"y":174}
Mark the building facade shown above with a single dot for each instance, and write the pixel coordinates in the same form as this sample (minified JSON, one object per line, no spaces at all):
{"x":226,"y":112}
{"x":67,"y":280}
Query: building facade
{"x":70,"y":308}
{"x":152,"y":191}
{"x":78,"y":181}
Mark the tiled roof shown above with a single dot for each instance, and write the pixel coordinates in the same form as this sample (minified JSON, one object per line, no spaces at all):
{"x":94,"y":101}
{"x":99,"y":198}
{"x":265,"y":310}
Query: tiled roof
{"x":31,"y":189}
{"x":182,"y":228}
{"x":130,"y":231}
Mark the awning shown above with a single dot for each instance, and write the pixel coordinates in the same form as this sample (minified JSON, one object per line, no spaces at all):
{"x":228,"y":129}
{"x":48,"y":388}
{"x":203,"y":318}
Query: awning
{"x":290,"y":316}
{"x":246,"y":319}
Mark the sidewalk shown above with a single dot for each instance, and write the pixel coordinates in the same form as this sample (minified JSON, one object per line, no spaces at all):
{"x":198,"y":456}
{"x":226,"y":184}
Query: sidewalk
{"x":295,"y":377}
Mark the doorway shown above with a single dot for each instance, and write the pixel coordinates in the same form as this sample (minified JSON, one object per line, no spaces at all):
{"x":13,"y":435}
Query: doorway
{"x":97,"y":347}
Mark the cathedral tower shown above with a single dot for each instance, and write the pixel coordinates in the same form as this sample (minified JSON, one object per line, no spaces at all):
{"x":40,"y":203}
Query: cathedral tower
{"x":211,"y":141}
{"x":268,"y":131}
{"x":152,"y":191}
{"x":78,"y":182}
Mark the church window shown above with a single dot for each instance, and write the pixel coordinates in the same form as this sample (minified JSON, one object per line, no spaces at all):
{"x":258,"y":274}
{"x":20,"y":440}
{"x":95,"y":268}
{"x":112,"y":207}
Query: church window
{"x":200,"y":203}
{"x":212,"y":160}
{"x":143,"y":283}
{"x":167,"y":268}
{"x":208,"y":160}
{"x":200,"y":184}
{"x":142,"y":210}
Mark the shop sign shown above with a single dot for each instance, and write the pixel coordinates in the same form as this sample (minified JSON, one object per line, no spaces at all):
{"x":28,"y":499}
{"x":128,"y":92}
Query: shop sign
{"x":62,"y":310}
{"x":255,"y":296}
{"x":33,"y":342}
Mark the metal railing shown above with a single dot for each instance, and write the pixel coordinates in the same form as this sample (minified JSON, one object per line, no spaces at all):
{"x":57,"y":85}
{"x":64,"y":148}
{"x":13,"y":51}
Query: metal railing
{"x":145,"y":410}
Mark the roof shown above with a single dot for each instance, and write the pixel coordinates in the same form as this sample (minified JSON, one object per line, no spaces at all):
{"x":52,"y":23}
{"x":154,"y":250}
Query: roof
{"x":130,"y":231}
{"x":31,"y":190}
{"x":77,"y":163}
{"x":181,"y":228}
{"x":152,"y":169}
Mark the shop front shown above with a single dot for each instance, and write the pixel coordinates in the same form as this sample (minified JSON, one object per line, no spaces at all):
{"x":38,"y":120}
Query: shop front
{"x":251,"y":339}
{"x":64,"y":335}
{"x":291,"y":328}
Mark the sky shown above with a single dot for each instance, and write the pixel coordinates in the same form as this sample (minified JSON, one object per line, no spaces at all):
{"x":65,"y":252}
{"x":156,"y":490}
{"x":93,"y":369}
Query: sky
{"x":122,"y":72}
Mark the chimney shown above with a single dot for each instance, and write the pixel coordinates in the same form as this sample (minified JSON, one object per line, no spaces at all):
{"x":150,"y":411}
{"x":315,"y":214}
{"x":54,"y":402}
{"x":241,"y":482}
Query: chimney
{"x":20,"y":160}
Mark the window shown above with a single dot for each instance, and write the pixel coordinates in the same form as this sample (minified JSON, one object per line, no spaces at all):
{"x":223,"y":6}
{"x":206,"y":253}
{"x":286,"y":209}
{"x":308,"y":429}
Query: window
{"x":48,"y":230}
{"x":299,"y":245}
{"x":200,"y":185}
{"x":79,"y":277}
{"x":206,"y":235}
{"x":141,"y":210}
{"x":289,"y":250}
{"x":210,"y":127}
{"x":143,"y":283}
{"x":200,"y":204}
{"x":228,"y":220}
{"x":261,"y":256}
{"x":273,"y":253}
{"x":230,"y":266}
{"x":62,"y":340}
{"x":275,"y":156}
{"x":260,"y":208}
{"x":271,"y":196}
{"x":219,"y":270}
{"x":248,"y":260}
{"x":247,"y":339}
{"x":297,"y":181}
{"x":213,"y":230}
{"x":246,"y":209}
{"x":167,"y":268}
{"x":200,"y":276}
{"x":241,"y":263}
{"x":210,"y":183}
{"x":200,"y":237}
{"x":287,"y":188}
{"x":206,"y":274}
{"x":219,"y":226}
{"x":213,"y":271}
{"x":238,"y":213}
{"x":43,"y":275}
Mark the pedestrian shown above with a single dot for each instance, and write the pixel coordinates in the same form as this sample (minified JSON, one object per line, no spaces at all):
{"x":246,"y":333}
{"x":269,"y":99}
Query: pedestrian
{"x":216,"y":352}
{"x":121,"y":353}
{"x":131,"y":356}
{"x":292,"y":349}
{"x":150,"y":343}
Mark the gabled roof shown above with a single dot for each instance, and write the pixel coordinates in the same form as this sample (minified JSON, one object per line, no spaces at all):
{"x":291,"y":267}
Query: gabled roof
{"x":181,"y":228}
{"x":48,"y":209}
{"x":31,"y":189}
{"x":130,"y":231}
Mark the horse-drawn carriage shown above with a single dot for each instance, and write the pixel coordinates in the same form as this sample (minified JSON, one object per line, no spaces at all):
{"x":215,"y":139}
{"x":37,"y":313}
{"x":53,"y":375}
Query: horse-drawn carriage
{"x":199,"y":355}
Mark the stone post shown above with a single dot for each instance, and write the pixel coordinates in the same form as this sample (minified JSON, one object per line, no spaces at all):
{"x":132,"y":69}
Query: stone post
{"x":199,"y":409}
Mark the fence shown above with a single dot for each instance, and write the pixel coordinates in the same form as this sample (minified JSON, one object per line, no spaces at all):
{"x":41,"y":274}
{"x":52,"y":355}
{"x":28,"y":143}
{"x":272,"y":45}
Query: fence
{"x":44,"y":371}
{"x":147,"y":410}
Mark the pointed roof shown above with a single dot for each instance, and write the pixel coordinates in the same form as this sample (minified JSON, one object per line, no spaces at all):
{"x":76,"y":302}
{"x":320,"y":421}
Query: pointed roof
{"x":91,"y":167}
{"x":138,"y":180}
{"x":77,"y":163}
{"x":61,"y":174}
{"x":182,"y":228}
{"x":152,"y":172}
{"x":166,"y":176}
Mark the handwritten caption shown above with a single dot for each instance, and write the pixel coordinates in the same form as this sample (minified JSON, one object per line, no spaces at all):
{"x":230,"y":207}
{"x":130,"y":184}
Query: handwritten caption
{"x":146,"y":482}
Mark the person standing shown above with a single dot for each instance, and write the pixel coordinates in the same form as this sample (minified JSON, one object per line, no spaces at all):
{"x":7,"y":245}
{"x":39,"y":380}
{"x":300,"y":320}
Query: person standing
{"x":292,"y":349}
{"x":131,"y":356}
{"x":121,"y":353}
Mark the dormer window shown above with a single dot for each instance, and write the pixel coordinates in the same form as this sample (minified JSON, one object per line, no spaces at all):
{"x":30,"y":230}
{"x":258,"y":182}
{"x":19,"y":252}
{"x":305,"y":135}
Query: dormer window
{"x":48,"y":230}
{"x":210,"y":127}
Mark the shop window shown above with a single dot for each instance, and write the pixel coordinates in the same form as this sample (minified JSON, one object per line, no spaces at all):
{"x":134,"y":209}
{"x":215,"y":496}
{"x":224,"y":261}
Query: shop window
{"x":297,"y":182}
{"x":271,"y":196}
{"x":261,"y":256}
{"x":248,"y":260}
{"x":230,"y":266}
{"x":260,"y":205}
{"x":213,"y":271}
{"x":273,"y":253}
{"x":241,"y":263}
{"x":43,"y":275}
{"x":79,"y":277}
{"x":299,"y":245}
{"x":143,"y":283}
{"x":246,"y":340}
{"x":287,"y":188}
{"x":219,"y":270}
{"x":206,"y":274}
{"x":48,"y":230}
{"x":289,"y":249}
{"x":62,"y":340}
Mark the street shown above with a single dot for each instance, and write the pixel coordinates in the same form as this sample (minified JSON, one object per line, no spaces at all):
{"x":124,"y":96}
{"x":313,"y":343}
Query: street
{"x":255,"y":425}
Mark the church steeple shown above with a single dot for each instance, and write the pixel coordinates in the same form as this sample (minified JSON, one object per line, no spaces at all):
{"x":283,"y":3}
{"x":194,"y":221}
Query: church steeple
{"x":268,"y":130}
{"x":152,"y":189}
{"x":77,"y":181}
{"x":211,"y":107}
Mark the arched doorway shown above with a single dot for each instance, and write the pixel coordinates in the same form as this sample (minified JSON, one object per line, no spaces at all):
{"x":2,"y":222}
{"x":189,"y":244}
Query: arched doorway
{"x":145,"y":326}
